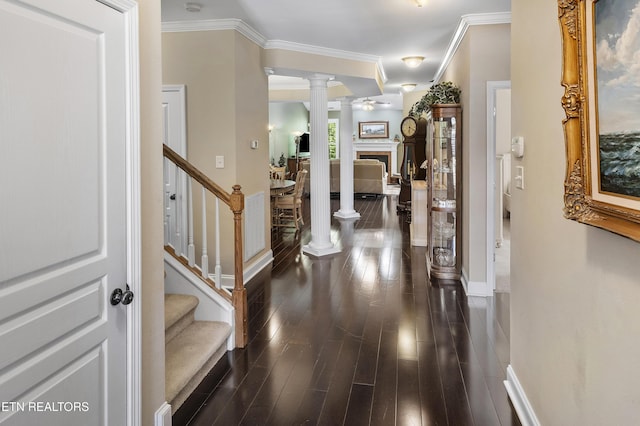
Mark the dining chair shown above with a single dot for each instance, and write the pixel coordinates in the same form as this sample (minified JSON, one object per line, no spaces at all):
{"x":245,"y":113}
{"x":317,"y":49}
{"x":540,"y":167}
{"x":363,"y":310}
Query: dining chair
{"x":288,"y":207}
{"x":277,"y":172}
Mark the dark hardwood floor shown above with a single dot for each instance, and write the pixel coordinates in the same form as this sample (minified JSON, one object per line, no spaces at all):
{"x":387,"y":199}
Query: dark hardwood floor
{"x":360,"y":338}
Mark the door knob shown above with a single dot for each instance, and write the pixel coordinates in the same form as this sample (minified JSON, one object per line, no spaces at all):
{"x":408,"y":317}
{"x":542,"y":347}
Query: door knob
{"x":119,"y":296}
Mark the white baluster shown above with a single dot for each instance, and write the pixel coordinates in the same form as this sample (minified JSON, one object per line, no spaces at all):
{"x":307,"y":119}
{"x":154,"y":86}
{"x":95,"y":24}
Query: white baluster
{"x":218,"y":269}
{"x":177,"y":206}
{"x":191,"y":248}
{"x":165,"y":166}
{"x":205,"y":257}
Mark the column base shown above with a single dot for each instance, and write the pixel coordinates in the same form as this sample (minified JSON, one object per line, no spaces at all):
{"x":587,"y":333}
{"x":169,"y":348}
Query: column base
{"x":312,"y":250}
{"x":347,"y":214}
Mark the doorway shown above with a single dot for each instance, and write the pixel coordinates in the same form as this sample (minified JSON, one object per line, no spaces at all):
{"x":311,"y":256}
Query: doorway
{"x":175,"y":184}
{"x":498,"y":185}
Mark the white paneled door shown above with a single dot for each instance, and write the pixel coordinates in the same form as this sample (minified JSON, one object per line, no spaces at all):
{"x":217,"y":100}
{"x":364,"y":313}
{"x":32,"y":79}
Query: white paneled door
{"x":63,"y":213}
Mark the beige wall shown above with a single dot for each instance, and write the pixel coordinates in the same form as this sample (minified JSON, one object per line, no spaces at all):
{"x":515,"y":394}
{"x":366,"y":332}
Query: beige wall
{"x":410,"y":98}
{"x":574,"y":288}
{"x":503,"y":121}
{"x":483,"y":55}
{"x":227,"y":107}
{"x":251,"y":118}
{"x":152,"y":297}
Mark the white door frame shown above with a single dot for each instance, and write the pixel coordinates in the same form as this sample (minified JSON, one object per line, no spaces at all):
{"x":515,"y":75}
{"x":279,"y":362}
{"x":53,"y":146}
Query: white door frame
{"x":179,"y":145}
{"x":492,"y":88}
{"x":129,"y":10}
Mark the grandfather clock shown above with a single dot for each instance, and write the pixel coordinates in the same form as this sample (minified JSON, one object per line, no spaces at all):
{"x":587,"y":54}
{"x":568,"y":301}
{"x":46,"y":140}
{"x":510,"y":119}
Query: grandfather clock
{"x":414,"y":133}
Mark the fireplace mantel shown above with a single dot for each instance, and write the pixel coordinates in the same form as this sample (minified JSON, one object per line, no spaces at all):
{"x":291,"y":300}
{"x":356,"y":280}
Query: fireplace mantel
{"x":385,"y":146}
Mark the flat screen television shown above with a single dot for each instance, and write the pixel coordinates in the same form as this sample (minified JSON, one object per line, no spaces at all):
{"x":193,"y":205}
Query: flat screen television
{"x":304,"y":143}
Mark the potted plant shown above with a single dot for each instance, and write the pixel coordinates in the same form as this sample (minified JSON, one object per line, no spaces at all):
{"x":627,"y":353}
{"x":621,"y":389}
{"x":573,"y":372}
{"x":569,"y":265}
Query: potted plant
{"x":442,"y":93}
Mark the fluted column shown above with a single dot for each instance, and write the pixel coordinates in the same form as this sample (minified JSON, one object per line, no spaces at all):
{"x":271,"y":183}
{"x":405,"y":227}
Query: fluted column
{"x":346,"y":162}
{"x":320,"y":244}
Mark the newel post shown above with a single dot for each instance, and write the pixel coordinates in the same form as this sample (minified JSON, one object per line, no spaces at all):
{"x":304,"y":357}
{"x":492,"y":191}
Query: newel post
{"x":239,"y":295}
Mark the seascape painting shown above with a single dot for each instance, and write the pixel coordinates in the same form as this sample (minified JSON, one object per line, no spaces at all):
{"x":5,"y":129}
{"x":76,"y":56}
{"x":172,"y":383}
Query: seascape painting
{"x":617,"y":52}
{"x":601,"y":79}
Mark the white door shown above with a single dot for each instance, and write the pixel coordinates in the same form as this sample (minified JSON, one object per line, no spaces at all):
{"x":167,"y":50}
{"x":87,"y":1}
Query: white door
{"x":63,"y":218}
{"x":175,"y":183}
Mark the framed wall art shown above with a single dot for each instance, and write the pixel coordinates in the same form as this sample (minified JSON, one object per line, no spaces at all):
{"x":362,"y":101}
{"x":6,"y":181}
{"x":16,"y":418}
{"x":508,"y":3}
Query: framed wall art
{"x":373,"y":129}
{"x":601,"y":80}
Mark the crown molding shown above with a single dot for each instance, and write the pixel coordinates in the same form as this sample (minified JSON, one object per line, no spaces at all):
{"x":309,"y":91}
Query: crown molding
{"x":319,"y":50}
{"x":465,"y":22}
{"x":326,"y":51}
{"x":216,"y":25}
{"x":260,"y":40}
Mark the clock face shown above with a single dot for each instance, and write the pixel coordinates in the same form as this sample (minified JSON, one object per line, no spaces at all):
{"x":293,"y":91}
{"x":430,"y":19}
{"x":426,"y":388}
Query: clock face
{"x":408,"y":127}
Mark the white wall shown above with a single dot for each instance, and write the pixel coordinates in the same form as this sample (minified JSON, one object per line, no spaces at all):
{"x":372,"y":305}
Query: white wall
{"x":574,"y":289}
{"x":394,"y":117}
{"x":286,"y":118}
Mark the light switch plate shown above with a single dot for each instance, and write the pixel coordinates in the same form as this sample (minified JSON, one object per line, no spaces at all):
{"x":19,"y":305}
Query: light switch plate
{"x":219,"y":161}
{"x":519,"y":177}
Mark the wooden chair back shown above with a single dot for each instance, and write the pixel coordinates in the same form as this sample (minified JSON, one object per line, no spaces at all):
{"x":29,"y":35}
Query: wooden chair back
{"x":277,"y":172}
{"x":299,"y":188}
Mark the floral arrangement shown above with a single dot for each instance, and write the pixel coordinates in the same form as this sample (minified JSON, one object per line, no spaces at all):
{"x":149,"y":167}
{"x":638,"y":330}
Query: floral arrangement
{"x":441,"y":93}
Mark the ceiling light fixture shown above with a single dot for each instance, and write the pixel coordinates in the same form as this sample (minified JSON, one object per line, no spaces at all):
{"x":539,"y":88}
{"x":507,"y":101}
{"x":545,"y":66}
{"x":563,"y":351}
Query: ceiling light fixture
{"x":367,"y":107}
{"x":408,"y":87}
{"x":412,"y":61}
{"x":421,"y":3}
{"x":193,"y":7}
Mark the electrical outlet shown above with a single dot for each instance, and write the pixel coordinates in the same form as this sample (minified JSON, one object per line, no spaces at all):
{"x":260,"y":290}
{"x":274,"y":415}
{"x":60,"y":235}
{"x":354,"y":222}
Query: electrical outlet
{"x":219,"y":161}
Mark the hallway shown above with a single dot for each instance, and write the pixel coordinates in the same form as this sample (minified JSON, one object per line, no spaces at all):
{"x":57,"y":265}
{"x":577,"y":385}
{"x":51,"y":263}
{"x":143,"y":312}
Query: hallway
{"x":361,"y":338}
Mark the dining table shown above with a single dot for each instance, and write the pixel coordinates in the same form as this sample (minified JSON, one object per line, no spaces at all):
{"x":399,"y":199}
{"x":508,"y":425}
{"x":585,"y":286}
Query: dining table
{"x":281,"y":186}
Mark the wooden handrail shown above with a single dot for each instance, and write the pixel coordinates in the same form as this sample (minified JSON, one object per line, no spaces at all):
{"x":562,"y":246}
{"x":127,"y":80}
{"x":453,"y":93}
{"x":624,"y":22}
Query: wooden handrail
{"x":195,"y":173}
{"x":235,"y":201}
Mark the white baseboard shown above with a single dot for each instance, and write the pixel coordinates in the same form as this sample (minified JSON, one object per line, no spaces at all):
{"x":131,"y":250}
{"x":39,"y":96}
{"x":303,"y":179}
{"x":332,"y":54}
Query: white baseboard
{"x":258,"y":265}
{"x":163,"y":415}
{"x":519,"y":399}
{"x":250,"y":271}
{"x":419,"y":242}
{"x":475,"y":288}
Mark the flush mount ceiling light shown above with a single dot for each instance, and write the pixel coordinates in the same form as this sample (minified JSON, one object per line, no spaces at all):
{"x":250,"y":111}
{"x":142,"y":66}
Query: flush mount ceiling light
{"x":413,"y":61}
{"x":193,"y":7}
{"x":421,"y":3}
{"x":408,"y":87}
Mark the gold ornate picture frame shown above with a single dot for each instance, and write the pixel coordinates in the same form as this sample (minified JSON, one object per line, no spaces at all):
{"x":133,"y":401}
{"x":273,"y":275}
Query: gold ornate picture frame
{"x":589,"y":197}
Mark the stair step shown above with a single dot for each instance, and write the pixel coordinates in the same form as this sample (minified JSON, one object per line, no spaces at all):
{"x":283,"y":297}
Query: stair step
{"x":189,"y":357}
{"x":179,"y":310}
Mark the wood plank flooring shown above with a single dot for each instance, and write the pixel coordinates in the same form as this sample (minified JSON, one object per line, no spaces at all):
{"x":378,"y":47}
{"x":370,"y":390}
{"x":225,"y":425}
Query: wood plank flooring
{"x":360,"y":338}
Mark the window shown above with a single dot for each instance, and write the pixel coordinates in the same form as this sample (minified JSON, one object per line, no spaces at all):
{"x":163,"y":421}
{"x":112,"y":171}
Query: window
{"x":334,"y":138}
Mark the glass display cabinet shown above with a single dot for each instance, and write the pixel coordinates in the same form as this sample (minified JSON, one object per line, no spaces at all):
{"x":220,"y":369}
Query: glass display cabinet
{"x":444,"y":136}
